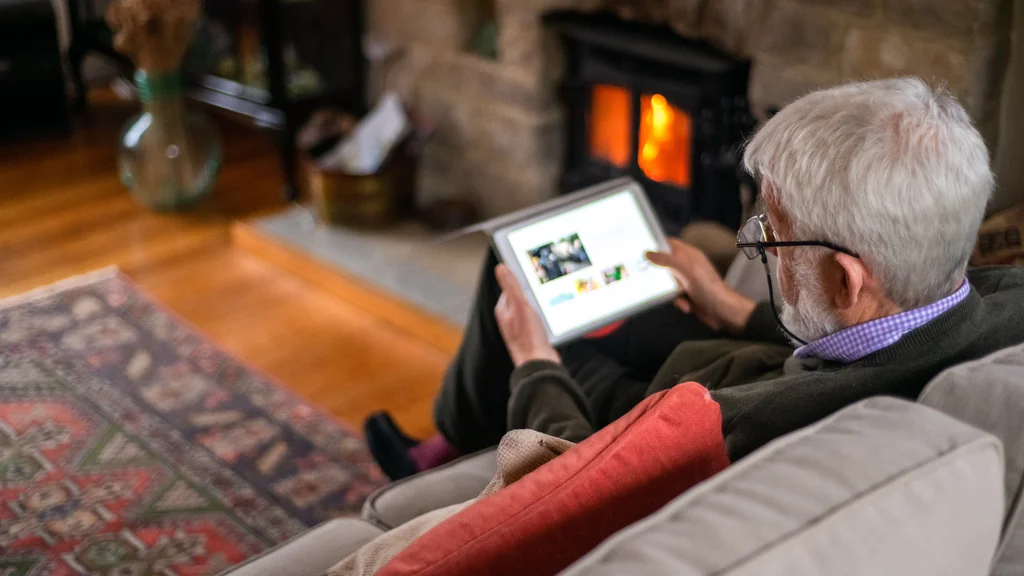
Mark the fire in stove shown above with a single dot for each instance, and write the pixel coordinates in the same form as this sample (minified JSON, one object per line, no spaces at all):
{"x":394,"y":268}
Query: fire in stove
{"x":609,"y":124}
{"x":643,"y":101}
{"x":664,"y":145}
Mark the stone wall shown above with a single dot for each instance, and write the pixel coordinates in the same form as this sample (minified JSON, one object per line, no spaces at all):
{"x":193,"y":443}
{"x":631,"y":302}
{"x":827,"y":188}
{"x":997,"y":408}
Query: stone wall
{"x":963,"y":44}
{"x":500,"y":129}
{"x":1009,"y":168}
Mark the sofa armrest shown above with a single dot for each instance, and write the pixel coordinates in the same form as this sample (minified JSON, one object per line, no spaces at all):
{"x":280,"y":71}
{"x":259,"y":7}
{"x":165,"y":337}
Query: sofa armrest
{"x":989,"y":393}
{"x":311,"y":553}
{"x":882,"y":487}
{"x":455,"y":482}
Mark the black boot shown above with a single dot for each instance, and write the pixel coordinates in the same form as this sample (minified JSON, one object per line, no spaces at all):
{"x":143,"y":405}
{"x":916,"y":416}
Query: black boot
{"x":389,"y":446}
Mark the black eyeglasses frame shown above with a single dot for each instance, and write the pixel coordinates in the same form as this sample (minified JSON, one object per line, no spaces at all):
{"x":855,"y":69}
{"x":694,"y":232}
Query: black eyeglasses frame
{"x":761,"y":246}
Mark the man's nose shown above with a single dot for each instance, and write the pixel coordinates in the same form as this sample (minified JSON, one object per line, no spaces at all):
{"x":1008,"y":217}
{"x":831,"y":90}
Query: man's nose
{"x":773,"y":251}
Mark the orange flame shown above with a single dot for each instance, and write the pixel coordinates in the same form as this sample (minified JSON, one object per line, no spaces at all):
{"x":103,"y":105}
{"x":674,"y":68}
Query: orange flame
{"x":663,"y":151}
{"x":664,"y":144}
{"x":609,"y":124}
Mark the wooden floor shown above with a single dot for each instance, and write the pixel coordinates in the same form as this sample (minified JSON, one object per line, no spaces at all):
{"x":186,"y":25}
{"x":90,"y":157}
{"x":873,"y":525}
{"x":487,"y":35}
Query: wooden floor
{"x":63,"y":212}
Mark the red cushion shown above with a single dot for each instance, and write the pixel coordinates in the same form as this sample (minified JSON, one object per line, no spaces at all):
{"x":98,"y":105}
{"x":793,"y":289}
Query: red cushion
{"x":554,"y":515}
{"x":602,"y":332}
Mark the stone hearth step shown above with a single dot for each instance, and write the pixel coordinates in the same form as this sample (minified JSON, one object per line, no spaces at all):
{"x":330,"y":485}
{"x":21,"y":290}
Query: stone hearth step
{"x":401,"y":274}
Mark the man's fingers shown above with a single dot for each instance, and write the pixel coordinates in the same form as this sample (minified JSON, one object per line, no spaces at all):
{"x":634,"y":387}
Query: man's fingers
{"x":668,"y":261}
{"x":678,"y":246}
{"x":684,"y":305}
{"x":678,"y":252}
{"x":659,"y":258}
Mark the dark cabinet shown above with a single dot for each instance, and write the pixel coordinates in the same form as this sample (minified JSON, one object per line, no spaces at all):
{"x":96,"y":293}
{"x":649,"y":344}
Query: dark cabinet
{"x":270,"y":61}
{"x":32,"y":98}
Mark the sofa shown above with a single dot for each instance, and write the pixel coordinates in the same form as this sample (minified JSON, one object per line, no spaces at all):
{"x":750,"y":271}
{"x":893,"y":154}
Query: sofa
{"x":885,"y":486}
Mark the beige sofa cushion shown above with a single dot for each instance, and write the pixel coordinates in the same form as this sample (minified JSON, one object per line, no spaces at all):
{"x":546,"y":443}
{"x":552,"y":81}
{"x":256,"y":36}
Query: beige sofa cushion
{"x":989,"y":394}
{"x":312,"y":552}
{"x":453,"y":483}
{"x":882,"y":487}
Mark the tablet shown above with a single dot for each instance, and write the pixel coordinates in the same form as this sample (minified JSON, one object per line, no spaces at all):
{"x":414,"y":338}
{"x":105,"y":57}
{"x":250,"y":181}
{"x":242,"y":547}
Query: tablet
{"x":582,"y":263}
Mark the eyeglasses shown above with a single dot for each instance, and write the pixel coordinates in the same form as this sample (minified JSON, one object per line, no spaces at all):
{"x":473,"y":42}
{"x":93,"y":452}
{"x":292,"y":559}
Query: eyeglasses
{"x":756,"y":235}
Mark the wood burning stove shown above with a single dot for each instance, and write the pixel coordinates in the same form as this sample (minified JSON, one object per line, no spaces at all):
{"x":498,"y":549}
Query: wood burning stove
{"x":646,"y":102}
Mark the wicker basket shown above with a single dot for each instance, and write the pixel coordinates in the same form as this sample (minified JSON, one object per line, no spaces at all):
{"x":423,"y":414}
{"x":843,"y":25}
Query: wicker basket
{"x":369,"y":201}
{"x":1001,"y":239}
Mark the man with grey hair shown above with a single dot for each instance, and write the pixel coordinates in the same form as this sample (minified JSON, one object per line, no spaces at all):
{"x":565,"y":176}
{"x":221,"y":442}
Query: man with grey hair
{"x":873,"y":195}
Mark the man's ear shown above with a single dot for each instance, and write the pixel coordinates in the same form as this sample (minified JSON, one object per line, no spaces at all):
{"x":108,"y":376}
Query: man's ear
{"x":851,"y":281}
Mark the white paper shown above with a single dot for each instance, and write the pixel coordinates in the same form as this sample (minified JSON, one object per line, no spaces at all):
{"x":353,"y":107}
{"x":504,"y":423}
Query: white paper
{"x":370,"y":142}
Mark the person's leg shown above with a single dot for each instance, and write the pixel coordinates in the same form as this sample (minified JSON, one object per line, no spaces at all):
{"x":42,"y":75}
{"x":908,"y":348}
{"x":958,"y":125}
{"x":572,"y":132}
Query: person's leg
{"x":471,"y":406}
{"x":615,"y":370}
{"x":646,"y":340}
{"x":469,"y":411}
{"x":642,"y":345}
{"x":606,"y":383}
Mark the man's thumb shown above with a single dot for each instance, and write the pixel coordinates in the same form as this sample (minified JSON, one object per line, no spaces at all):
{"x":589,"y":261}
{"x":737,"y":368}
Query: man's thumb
{"x":507,"y":281}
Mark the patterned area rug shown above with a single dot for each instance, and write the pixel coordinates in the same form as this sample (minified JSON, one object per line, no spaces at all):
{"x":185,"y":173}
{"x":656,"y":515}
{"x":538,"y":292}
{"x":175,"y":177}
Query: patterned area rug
{"x":131,"y":445}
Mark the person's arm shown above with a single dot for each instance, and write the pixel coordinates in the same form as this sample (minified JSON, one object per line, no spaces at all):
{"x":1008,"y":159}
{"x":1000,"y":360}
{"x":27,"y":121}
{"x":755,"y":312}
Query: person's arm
{"x":545,"y":398}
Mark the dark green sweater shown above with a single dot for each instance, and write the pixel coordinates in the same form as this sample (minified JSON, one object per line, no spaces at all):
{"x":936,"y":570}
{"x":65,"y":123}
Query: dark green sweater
{"x":766,"y":392}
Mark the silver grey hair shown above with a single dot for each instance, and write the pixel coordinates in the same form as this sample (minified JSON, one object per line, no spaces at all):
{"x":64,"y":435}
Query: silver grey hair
{"x":890,"y":169}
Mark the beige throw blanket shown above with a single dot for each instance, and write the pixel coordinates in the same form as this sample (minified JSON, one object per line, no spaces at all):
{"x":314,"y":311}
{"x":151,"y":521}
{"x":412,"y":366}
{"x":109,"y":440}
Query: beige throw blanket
{"x":519,"y":453}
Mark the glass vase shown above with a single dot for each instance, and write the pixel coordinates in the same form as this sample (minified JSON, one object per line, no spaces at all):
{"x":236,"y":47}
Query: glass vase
{"x":169,"y":155}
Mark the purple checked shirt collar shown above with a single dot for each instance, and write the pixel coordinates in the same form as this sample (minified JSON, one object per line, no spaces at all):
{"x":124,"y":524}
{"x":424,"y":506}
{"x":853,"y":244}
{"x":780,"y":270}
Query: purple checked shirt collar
{"x":853,"y":343}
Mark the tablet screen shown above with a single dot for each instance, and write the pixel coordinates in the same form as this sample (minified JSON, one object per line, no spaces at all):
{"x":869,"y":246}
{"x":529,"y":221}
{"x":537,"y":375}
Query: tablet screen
{"x":587,"y":264}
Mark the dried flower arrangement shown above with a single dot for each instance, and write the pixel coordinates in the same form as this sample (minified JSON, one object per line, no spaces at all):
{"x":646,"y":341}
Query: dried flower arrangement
{"x":154,"y":33}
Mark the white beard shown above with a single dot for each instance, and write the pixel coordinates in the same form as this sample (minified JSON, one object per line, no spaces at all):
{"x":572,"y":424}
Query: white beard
{"x":810,"y":319}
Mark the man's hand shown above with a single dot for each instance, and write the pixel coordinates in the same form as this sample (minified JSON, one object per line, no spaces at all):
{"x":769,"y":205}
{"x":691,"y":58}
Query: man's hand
{"x":705,"y":293}
{"x":520,"y":327}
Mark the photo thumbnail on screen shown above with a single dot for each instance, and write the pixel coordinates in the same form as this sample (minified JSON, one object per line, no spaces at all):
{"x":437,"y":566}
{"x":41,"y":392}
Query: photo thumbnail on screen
{"x":615,"y":273}
{"x":556,"y":259}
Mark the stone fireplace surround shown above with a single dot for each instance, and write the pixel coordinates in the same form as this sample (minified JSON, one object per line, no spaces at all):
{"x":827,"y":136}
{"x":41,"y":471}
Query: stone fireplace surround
{"x":500,"y":127}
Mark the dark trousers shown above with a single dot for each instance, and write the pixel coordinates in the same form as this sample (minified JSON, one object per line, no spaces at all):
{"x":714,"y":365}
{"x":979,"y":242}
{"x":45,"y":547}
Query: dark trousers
{"x":614,"y":372}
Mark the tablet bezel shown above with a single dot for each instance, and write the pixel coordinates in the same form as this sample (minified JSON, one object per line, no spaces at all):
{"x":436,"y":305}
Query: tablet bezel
{"x":499,"y":238}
